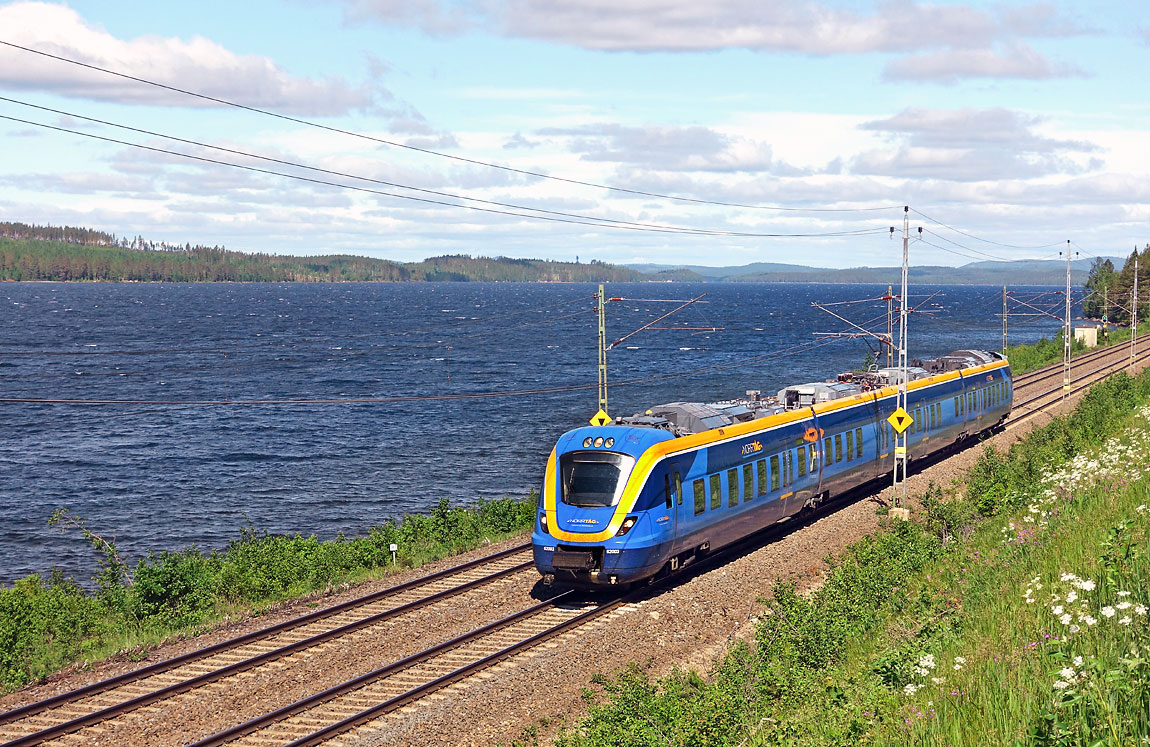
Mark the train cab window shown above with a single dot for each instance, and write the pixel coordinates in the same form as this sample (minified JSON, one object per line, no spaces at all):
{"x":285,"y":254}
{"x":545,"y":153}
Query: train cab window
{"x":859,"y":441}
{"x":716,"y":492}
{"x":850,"y":446}
{"x":774,"y":473}
{"x":761,"y":473}
{"x":700,"y":496}
{"x":667,"y":489}
{"x":678,"y":489}
{"x":594,"y":478}
{"x":838,"y":447}
{"x":732,"y":487}
{"x":801,"y":458}
{"x":748,"y":482}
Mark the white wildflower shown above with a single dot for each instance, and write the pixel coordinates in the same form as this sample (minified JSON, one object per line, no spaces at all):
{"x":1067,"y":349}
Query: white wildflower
{"x":1078,"y":661}
{"x":1071,"y":597}
{"x":1086,"y":585}
{"x":1065,"y":619}
{"x":911,"y":688}
{"x":1125,"y":620}
{"x":1060,"y":685}
{"x":921,"y":672}
{"x":1123,"y":593}
{"x":1074,"y":628}
{"x":1123,"y":605}
{"x":936,"y":680}
{"x":1067,"y":673}
{"x":1056,"y":609}
{"x":927,"y":661}
{"x":960,"y":659}
{"x":1091,"y":620}
{"x":1108,"y":611}
{"x":1140,"y":609}
{"x":1141,"y":509}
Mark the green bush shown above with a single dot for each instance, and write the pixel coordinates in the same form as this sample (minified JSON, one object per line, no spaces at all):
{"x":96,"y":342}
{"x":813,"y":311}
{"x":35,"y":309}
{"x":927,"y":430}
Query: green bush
{"x":45,"y":626}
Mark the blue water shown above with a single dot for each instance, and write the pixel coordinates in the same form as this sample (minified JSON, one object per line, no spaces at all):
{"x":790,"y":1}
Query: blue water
{"x":166,"y":476}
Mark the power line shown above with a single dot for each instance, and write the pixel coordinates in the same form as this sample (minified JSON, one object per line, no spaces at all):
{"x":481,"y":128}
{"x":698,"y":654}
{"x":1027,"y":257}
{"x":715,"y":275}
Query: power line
{"x":581,"y":220}
{"x":979,"y":238}
{"x":331,"y":172}
{"x":463,"y":159}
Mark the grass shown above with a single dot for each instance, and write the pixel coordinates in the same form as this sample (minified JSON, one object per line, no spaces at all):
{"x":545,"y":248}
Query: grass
{"x":49,"y":623}
{"x":949,"y":629}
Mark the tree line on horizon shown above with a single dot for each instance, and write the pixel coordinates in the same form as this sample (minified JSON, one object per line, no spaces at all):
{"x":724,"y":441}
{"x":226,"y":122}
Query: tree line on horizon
{"x":50,"y":253}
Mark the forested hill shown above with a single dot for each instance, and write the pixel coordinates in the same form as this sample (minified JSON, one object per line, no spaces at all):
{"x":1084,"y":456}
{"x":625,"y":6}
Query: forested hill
{"x":68,"y":254}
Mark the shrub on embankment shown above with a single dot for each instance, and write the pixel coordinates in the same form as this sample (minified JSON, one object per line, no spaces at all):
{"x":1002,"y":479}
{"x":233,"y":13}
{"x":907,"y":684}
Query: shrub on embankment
{"x":1012,"y":610}
{"x":47,"y":624}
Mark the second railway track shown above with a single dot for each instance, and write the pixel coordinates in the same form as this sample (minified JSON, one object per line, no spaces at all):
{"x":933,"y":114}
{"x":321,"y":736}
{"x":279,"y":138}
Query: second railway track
{"x":44,"y":720}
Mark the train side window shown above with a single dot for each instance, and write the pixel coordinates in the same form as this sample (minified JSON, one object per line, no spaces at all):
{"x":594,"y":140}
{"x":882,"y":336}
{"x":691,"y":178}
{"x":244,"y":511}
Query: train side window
{"x":667,"y":489}
{"x":774,"y":473}
{"x":700,"y":496}
{"x":938,"y":413}
{"x":788,"y":468}
{"x":813,"y":452}
{"x":827,"y":451}
{"x":956,"y":407}
{"x":732,"y":487}
{"x":838,"y":447}
{"x":850,"y":445}
{"x":678,"y":489}
{"x":716,"y":492}
{"x":859,"y":442}
{"x":748,"y":482}
{"x":761,"y":471}
{"x":801,"y":458}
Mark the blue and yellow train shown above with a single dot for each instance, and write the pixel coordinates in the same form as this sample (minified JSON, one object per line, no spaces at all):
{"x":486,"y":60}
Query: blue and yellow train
{"x":639,"y":497}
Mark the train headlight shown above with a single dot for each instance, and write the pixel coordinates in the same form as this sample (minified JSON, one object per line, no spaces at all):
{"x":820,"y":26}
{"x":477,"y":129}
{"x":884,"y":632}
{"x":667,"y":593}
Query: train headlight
{"x":587,"y":443}
{"x":627,"y":524}
{"x":543,"y":521}
{"x":609,"y":443}
{"x":599,"y":441}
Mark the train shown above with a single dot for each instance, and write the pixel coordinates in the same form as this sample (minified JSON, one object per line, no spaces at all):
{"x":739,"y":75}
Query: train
{"x":639,"y":496}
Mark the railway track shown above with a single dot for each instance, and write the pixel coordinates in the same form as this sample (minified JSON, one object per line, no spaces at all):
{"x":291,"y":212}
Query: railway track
{"x":371,"y":696}
{"x":48,"y":719}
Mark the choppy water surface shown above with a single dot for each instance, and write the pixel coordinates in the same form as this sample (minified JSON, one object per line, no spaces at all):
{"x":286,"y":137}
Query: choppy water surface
{"x":163,"y":476}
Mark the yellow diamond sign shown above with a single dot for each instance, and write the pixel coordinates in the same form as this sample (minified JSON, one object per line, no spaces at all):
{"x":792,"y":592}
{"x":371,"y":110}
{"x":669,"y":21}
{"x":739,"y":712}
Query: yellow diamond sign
{"x":900,"y":420}
{"x":601,"y":418}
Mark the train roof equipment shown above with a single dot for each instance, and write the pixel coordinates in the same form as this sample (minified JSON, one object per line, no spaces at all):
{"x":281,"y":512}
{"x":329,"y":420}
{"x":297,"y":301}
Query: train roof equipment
{"x":685,"y":418}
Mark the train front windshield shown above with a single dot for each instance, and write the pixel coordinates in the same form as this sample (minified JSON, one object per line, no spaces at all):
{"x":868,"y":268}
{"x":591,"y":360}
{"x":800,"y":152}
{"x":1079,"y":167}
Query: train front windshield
{"x":593,"y":479}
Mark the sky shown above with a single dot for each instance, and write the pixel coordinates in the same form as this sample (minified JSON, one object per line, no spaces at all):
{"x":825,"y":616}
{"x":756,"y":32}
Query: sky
{"x":626,"y":131}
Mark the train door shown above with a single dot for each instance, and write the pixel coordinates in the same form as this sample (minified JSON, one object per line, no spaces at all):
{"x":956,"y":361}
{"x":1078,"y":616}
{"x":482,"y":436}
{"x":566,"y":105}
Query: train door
{"x":672,"y":500}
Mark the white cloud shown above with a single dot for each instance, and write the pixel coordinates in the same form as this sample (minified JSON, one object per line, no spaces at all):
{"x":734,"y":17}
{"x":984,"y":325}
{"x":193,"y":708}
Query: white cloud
{"x":950,"y":65}
{"x":971,"y":145}
{"x":667,"y":148}
{"x":196,"y":64}
{"x":962,"y":40}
